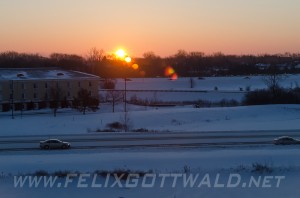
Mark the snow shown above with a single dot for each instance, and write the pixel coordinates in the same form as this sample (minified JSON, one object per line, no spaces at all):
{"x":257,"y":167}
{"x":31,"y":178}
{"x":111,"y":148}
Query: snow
{"x":283,"y":160}
{"x":177,"y":119}
{"x":35,"y":73}
{"x":230,"y":88}
{"x":232,"y":83}
{"x":160,"y":160}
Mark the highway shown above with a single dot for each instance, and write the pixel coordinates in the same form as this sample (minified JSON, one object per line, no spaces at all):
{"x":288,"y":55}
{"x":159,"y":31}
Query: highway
{"x":147,"y":139}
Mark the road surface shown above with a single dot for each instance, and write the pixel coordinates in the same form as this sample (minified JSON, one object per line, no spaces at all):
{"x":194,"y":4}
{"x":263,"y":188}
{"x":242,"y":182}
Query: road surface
{"x":162,"y":139}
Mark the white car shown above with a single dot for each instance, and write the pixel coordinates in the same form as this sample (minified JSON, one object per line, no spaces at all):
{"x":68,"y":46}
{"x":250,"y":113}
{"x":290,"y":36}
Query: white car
{"x":54,"y":144}
{"x":285,"y":140}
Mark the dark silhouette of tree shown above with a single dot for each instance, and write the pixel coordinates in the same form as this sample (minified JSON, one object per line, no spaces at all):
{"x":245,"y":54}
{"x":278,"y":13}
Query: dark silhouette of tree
{"x":85,"y":102}
{"x":114,"y":96}
{"x":55,"y":99}
{"x":190,"y":64}
{"x":94,"y":60}
{"x":151,"y":64}
{"x":109,"y":83}
{"x":272,"y":79}
{"x":66,"y":61}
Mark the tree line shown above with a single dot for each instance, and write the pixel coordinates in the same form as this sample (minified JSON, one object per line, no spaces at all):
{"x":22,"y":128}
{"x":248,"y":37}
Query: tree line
{"x":186,"y":64}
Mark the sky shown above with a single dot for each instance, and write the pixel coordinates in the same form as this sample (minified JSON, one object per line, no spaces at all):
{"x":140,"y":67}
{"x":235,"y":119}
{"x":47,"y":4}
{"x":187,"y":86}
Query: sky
{"x":160,"y":26}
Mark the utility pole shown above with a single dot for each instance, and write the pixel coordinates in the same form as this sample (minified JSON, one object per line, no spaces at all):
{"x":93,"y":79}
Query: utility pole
{"x":125,"y":98}
{"x":125,"y":109}
{"x":12,"y":99}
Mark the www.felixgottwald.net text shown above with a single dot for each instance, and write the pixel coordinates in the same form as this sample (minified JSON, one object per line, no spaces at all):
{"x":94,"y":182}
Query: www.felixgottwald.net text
{"x":149,"y":180}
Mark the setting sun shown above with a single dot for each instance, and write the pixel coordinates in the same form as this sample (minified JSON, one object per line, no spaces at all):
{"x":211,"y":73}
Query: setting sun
{"x":120,"y":53}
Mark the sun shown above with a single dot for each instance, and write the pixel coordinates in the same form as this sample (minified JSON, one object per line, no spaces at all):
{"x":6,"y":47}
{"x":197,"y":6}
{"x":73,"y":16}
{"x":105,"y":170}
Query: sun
{"x":120,"y":53}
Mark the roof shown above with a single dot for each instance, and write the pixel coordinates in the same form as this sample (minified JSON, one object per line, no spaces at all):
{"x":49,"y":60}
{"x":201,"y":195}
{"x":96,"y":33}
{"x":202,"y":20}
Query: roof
{"x":262,"y":65}
{"x":42,"y":73}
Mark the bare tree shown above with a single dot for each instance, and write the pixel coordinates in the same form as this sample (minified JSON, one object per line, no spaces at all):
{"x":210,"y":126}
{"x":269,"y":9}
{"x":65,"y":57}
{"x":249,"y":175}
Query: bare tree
{"x":94,"y":58}
{"x":55,"y":99}
{"x":95,"y":55}
{"x":114,"y":96}
{"x":272,"y":79}
{"x":85,"y":102}
{"x":126,"y":122}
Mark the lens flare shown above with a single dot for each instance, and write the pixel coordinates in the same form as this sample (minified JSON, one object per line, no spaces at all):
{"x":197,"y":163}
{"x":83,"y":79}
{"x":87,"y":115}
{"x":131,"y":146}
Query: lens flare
{"x":135,"y":66}
{"x":174,"y":77}
{"x":127,"y":59}
{"x":169,"y":71}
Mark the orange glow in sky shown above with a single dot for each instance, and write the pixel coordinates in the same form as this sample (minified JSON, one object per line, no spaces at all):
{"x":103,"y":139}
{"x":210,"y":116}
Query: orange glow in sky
{"x":120,"y":53}
{"x":76,"y":26}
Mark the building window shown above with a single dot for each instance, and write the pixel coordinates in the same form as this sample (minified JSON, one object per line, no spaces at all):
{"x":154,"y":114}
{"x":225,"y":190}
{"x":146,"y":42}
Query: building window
{"x":11,"y":96}
{"x":23,"y":86}
{"x":34,"y":85}
{"x":90,"y":84}
{"x":23,"y":96}
{"x":35,"y":95}
{"x":46,"y":85}
{"x":69,"y":94}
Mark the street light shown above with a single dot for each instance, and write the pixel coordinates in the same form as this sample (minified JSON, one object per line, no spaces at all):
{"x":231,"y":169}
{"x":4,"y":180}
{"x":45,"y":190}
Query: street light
{"x":122,"y":55}
{"x":12,"y":99}
{"x":127,"y":60}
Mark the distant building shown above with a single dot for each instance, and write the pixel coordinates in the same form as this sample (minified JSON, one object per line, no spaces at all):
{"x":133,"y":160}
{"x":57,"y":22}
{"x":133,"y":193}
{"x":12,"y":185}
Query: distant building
{"x":262,"y":66}
{"x":297,"y":67}
{"x":36,"y":88}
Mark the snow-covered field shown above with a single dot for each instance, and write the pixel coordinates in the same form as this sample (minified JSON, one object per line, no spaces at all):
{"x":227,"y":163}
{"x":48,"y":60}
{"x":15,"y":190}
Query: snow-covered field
{"x":178,"y":119}
{"x":227,"y":87}
{"x":233,"y":83}
{"x":282,"y":161}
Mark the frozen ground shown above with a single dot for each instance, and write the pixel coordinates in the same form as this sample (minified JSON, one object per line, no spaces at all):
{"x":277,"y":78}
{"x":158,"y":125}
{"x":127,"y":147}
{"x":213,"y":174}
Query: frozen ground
{"x":233,"y":83}
{"x":227,"y":87}
{"x":145,"y":159}
{"x":281,"y":160}
{"x":282,"y":163}
{"x":180,"y":119}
